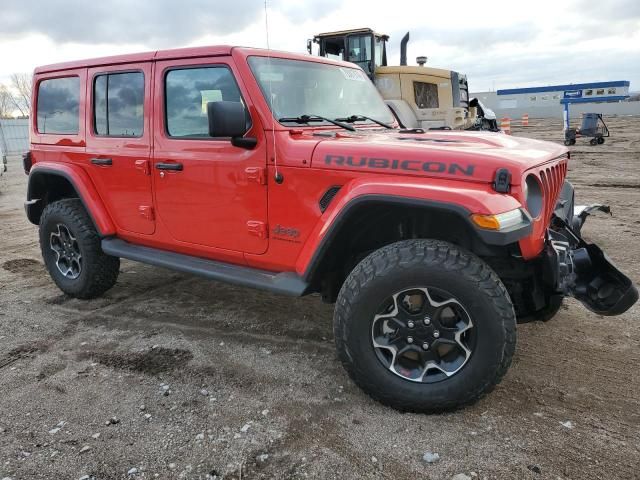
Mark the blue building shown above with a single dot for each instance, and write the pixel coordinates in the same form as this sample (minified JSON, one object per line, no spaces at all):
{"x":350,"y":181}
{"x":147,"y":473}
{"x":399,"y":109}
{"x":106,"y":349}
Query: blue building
{"x":550,"y":100}
{"x":614,"y":91}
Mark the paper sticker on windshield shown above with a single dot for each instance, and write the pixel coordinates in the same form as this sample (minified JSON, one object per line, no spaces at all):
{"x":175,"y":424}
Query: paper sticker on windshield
{"x":271,"y":77}
{"x":210,"y":96}
{"x":353,"y":74}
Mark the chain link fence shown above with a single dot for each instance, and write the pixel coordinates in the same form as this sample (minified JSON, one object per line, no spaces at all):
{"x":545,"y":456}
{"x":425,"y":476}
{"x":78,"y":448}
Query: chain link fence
{"x":14,"y":139}
{"x":14,"y":136}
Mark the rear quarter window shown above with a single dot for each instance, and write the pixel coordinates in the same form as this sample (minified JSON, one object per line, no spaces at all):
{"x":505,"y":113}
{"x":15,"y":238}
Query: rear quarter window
{"x":58,"y":107}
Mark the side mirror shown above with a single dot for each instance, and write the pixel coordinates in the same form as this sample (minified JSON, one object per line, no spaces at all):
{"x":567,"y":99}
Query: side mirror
{"x":229,"y":119}
{"x":226,"y":119}
{"x":309,"y":46}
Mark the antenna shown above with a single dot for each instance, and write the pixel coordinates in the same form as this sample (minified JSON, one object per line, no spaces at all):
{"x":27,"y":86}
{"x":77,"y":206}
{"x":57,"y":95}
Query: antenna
{"x":278,"y":176}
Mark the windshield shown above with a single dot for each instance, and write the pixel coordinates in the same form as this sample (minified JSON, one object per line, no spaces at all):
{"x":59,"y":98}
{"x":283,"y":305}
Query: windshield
{"x":294,"y":88}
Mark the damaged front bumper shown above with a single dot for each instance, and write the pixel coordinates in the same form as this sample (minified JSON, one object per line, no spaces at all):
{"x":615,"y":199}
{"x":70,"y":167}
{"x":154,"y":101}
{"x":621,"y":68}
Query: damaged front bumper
{"x":580,"y":269}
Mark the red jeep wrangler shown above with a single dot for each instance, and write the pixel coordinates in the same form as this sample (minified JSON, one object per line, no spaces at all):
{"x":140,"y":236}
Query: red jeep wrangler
{"x":288,"y":173}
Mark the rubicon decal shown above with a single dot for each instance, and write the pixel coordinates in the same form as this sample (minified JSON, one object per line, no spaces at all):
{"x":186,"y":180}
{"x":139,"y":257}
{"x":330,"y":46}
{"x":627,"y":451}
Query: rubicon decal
{"x":379,"y":163}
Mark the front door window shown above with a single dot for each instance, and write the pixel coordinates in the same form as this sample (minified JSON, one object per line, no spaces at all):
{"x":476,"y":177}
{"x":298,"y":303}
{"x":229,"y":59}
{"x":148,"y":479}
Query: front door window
{"x":188,"y":91}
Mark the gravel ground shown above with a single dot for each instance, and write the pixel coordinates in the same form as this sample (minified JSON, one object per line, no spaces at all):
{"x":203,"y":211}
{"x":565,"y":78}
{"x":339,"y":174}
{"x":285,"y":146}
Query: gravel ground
{"x":170,"y":376}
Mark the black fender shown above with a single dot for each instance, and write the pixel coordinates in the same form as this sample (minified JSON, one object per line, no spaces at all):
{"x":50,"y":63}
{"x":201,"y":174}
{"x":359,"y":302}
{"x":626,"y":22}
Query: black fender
{"x":54,"y":181}
{"x":483,"y":241}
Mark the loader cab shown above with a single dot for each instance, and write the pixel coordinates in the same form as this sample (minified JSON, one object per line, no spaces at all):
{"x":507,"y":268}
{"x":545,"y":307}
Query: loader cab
{"x":363,"y":46}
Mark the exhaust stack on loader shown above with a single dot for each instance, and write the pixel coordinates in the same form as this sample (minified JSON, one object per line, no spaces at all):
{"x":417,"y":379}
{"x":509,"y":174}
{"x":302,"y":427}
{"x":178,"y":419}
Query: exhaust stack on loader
{"x":403,"y":50}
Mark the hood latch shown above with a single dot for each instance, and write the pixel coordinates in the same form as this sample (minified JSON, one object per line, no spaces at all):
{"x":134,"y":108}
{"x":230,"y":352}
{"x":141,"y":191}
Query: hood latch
{"x":502,"y":181}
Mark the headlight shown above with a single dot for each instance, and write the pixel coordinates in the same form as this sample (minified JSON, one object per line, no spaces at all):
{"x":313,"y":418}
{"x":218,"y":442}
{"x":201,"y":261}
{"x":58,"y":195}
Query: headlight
{"x":501,"y":221}
{"x":533,"y":196}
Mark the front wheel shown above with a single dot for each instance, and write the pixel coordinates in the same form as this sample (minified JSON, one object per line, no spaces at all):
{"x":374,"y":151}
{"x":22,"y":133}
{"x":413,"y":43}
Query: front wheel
{"x":424,"y":326}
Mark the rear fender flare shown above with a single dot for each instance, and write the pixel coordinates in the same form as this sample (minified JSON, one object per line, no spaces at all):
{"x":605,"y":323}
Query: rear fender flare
{"x":440,"y":195}
{"x":83,"y":186}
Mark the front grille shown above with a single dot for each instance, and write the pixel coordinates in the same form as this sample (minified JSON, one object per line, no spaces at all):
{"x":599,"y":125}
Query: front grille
{"x":552,"y":179}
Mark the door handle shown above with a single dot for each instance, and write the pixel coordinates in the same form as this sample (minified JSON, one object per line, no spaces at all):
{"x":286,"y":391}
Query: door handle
{"x":102,"y":161}
{"x":176,"y":167}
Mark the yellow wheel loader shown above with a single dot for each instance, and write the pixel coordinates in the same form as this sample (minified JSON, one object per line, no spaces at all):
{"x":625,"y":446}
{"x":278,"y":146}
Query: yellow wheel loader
{"x":419,"y":96}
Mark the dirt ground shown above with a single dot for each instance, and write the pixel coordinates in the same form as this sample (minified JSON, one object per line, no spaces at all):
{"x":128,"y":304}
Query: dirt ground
{"x":173,"y":377}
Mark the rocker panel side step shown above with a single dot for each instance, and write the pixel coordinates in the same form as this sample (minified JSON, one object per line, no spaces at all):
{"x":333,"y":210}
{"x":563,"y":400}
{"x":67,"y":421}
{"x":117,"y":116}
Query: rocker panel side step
{"x":287,"y":283}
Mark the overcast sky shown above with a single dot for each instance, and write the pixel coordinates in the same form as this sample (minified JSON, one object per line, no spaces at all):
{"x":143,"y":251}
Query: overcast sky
{"x":498,"y":44}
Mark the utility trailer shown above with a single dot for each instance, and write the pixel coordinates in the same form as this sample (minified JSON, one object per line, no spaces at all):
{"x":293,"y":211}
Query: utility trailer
{"x":592,"y":126}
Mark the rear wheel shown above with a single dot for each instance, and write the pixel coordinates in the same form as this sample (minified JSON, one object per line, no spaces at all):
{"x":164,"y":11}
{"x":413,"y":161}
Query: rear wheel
{"x":71,"y":251}
{"x":424,"y":326}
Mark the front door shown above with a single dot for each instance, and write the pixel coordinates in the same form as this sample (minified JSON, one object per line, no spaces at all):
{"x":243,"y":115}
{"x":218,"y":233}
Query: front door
{"x":208,"y":192}
{"x":119,"y":143}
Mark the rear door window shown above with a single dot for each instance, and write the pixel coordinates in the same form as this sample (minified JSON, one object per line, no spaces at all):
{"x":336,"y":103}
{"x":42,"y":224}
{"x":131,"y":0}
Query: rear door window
{"x":118,"y":102}
{"x":58,"y":106}
{"x":187,"y":92}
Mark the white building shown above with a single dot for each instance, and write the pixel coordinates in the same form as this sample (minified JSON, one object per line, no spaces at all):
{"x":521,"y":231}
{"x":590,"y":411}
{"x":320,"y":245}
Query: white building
{"x":549,"y":101}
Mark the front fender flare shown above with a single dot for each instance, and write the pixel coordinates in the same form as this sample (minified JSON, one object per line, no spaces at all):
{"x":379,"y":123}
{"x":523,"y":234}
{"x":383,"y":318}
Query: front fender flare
{"x":444,"y":195}
{"x":81,"y":183}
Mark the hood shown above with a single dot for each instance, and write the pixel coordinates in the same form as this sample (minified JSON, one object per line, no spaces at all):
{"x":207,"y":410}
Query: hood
{"x":469,"y":156}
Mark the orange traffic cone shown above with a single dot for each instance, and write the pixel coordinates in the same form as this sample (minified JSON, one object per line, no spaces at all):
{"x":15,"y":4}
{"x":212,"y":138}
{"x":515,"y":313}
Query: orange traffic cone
{"x":505,"y":125}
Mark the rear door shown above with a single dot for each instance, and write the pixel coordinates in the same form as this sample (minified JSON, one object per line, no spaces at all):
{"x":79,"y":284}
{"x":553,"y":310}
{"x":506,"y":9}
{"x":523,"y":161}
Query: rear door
{"x":207,"y":191}
{"x":118,"y":137}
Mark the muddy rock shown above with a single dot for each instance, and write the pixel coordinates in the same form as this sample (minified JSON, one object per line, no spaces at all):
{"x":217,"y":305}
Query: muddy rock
{"x":430,"y":457}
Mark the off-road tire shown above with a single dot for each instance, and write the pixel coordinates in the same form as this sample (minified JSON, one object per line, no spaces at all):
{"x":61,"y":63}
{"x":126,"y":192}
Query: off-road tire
{"x":99,"y":271}
{"x":434,"y":263}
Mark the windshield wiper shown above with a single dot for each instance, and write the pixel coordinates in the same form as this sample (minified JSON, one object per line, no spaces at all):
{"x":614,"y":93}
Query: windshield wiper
{"x":316,"y":118}
{"x":360,"y":118}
